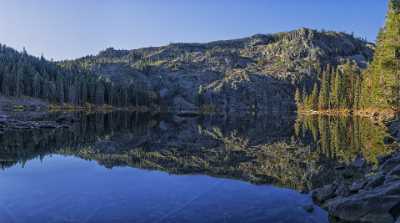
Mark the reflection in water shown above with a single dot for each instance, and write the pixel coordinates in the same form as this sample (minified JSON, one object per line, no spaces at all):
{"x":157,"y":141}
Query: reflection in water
{"x":295,"y":152}
{"x":69,"y":190}
{"x":343,"y":138}
{"x":299,"y":153}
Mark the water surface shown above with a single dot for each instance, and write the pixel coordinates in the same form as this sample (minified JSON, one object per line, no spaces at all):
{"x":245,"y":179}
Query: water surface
{"x":68,"y":189}
{"x":128,"y":167}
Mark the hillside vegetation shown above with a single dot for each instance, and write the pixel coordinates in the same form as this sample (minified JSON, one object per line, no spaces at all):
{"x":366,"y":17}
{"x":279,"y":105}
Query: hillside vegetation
{"x":345,"y":87}
{"x":382,"y":79}
{"x":258,"y":73}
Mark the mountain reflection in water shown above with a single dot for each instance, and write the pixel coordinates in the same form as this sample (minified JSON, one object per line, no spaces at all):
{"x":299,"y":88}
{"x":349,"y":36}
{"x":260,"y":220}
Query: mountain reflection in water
{"x":301,"y":153}
{"x":296,"y":152}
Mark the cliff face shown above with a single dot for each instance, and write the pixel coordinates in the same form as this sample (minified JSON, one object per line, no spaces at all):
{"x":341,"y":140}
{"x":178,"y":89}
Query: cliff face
{"x":254,"y":73}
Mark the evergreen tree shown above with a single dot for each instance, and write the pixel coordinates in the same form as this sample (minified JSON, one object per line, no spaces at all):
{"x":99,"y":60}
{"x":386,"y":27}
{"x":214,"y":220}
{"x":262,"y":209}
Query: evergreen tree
{"x":335,"y":91}
{"x":64,"y":82}
{"x":314,"y":97}
{"x":357,"y":93}
{"x":381,"y":85}
{"x":323,"y":101}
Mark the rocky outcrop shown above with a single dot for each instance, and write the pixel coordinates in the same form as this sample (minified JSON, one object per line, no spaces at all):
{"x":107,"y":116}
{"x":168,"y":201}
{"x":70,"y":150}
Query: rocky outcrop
{"x":255,"y":73}
{"x":374,"y":198}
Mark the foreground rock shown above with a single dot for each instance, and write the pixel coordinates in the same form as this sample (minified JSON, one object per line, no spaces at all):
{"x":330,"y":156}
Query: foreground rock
{"x":374,"y":198}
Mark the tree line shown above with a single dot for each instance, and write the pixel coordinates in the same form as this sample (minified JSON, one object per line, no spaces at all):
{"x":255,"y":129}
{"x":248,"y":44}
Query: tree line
{"x":25,"y":75}
{"x":338,"y":88}
{"x":347,"y":88}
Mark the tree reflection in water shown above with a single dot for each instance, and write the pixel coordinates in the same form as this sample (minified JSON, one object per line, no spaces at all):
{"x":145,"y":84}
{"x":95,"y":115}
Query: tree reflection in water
{"x":296,"y":152}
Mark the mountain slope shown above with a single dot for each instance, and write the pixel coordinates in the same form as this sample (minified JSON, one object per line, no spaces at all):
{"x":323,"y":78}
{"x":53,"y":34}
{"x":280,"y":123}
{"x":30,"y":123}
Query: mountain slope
{"x":258,"y":73}
{"x":254,"y":73}
{"x":25,"y":75}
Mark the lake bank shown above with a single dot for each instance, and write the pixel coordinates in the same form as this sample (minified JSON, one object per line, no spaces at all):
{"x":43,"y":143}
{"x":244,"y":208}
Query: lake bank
{"x":377,"y":115}
{"x":373,"y":197}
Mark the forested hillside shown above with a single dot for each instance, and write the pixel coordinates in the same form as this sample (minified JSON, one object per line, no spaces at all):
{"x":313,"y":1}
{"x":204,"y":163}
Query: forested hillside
{"x":25,"y":75}
{"x":339,"y":88}
{"x":258,"y":73}
{"x":346,"y":87}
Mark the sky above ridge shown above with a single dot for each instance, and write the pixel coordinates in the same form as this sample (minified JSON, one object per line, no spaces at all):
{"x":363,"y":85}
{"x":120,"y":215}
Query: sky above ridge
{"x":67,"y":29}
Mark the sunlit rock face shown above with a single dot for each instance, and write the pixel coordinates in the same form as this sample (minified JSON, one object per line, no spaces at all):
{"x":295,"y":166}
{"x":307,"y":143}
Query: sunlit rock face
{"x":255,"y":73}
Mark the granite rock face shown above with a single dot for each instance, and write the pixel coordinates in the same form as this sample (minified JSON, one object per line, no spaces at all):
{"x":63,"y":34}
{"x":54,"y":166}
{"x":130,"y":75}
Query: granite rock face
{"x":255,"y":73}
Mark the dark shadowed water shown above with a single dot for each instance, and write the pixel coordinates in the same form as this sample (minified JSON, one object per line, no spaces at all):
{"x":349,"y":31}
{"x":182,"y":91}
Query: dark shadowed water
{"x":125,"y":167}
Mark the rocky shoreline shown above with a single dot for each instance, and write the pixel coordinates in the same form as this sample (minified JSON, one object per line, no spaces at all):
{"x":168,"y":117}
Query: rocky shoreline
{"x":372,"y":198}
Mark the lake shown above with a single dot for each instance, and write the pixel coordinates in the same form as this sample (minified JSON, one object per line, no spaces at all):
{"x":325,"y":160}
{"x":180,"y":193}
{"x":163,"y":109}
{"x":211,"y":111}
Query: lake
{"x":131,"y":167}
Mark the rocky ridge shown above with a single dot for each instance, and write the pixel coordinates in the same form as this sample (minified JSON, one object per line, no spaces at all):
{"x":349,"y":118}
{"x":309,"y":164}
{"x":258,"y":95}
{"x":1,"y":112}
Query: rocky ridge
{"x":255,"y":73}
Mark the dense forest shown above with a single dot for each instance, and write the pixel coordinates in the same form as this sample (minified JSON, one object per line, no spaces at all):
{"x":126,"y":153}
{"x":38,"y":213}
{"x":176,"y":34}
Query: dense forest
{"x":25,"y":75}
{"x":346,"y":87}
{"x":339,"y":89}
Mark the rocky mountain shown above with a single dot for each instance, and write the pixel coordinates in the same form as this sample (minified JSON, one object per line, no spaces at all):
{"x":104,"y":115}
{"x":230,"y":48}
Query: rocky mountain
{"x":258,"y":73}
{"x":254,"y":74}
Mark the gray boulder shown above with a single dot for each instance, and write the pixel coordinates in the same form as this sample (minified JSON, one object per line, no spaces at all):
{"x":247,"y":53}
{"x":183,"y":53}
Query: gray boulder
{"x":374,"y":206}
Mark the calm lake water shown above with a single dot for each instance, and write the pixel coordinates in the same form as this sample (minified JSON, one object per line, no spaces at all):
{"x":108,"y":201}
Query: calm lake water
{"x":128,"y":167}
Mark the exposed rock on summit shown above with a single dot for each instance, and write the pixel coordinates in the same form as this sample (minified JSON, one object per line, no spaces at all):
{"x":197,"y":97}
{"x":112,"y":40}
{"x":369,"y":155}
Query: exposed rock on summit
{"x":255,"y":73}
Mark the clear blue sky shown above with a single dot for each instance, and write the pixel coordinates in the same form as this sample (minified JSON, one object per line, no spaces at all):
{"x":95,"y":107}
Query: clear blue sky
{"x":72,"y":28}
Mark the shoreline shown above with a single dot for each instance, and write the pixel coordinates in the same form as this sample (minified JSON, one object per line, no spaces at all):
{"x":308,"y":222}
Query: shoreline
{"x":375,"y":196}
{"x":376,"y":115}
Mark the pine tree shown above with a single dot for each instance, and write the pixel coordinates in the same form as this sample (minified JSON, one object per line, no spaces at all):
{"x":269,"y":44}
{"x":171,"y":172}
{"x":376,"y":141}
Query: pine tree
{"x":323,"y":101}
{"x":381,"y":85}
{"x":335,"y":91}
{"x":314,"y":97}
{"x":347,"y":85}
{"x":357,"y":93}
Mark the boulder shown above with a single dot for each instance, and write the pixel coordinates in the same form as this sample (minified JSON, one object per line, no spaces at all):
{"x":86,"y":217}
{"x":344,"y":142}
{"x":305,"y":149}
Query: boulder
{"x":375,"y":181}
{"x":342,"y":190}
{"x":395,"y":171}
{"x":389,"y":164}
{"x":368,"y":206}
{"x":358,"y":185}
{"x":323,"y":194}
